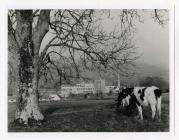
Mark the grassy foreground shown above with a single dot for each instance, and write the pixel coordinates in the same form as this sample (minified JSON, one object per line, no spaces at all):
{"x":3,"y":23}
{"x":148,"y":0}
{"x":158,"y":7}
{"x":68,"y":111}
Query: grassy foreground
{"x":93,"y":116}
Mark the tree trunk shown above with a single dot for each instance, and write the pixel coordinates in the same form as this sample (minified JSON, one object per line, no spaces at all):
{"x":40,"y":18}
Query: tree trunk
{"x":13,"y":61}
{"x":28,"y":111}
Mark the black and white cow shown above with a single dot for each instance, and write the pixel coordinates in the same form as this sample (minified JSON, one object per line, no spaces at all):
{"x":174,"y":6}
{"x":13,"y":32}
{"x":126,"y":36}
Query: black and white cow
{"x":142,"y":96}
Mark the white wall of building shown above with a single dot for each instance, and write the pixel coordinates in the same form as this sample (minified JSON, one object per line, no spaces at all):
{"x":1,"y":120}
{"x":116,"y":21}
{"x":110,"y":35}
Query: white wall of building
{"x":78,"y":89}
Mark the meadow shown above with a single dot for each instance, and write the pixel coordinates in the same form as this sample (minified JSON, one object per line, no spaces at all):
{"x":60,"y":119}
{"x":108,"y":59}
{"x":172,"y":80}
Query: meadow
{"x":94,"y":115}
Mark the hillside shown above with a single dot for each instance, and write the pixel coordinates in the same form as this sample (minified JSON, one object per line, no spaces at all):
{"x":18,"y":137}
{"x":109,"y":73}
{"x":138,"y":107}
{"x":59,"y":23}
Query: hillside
{"x":140,"y":71}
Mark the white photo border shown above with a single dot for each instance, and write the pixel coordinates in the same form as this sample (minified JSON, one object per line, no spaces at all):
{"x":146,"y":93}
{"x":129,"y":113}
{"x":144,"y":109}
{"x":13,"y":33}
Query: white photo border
{"x":87,"y":4}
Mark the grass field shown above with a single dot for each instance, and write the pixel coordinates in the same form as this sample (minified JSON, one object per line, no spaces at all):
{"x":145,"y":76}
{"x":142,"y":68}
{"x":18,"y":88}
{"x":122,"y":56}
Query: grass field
{"x":93,"y":116}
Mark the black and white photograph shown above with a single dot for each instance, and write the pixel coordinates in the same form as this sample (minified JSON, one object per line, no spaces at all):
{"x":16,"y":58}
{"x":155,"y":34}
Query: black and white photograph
{"x":88,"y":70}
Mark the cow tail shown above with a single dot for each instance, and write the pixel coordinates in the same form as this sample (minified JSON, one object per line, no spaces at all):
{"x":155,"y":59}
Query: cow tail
{"x":158,"y":96}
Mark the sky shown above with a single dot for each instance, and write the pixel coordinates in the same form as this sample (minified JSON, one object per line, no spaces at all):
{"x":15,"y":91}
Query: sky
{"x":153,"y":41}
{"x":150,"y":38}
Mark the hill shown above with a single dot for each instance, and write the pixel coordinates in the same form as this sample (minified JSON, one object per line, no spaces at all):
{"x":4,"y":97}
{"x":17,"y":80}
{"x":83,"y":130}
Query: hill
{"x":139,"y":71}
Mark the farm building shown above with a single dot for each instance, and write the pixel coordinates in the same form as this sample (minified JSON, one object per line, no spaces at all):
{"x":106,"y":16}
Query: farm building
{"x":78,"y":89}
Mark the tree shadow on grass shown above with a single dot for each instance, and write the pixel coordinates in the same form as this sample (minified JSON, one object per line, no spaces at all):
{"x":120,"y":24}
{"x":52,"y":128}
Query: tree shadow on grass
{"x":50,"y":110}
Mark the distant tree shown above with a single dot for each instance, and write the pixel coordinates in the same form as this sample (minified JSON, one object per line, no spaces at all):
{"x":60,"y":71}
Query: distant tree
{"x":154,"y":81}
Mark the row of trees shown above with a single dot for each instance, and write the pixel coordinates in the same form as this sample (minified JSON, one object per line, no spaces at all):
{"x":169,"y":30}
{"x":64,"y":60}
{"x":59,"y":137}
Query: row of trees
{"x":157,"y":81}
{"x":68,"y":41}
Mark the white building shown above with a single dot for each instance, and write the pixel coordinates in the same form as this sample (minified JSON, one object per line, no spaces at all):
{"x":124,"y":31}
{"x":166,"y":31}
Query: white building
{"x":78,"y":89}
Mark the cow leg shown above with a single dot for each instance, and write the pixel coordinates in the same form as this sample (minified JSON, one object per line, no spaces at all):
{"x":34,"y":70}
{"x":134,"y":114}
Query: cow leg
{"x":153,"y":108}
{"x":159,"y":115}
{"x":140,"y":112}
{"x":159,"y":109}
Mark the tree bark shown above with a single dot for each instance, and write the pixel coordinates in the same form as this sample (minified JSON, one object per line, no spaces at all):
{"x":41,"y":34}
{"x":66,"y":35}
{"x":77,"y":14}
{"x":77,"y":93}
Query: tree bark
{"x":13,"y":61}
{"x":39,"y":32}
{"x":28,"y":111}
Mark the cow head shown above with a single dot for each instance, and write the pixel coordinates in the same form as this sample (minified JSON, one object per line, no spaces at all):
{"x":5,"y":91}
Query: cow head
{"x":124,"y":97}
